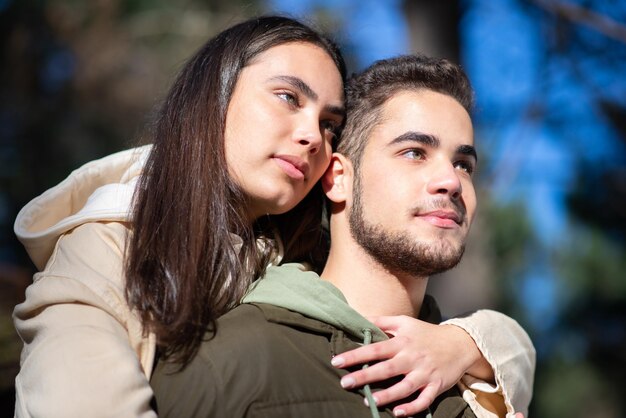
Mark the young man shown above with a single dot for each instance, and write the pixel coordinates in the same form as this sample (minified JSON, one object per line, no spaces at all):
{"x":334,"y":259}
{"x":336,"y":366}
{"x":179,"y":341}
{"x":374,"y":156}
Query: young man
{"x":401,"y":205}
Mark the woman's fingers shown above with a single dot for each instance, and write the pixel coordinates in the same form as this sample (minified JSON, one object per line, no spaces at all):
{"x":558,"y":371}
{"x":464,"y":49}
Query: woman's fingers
{"x":403,"y":389}
{"x":428,"y":359}
{"x":374,"y":352}
{"x":424,"y":400}
{"x":375,"y":373}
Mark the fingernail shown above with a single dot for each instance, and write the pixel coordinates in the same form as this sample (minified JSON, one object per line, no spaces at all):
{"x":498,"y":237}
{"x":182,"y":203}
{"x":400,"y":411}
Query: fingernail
{"x":399,"y":412}
{"x":337,"y":361}
{"x":347,"y":382}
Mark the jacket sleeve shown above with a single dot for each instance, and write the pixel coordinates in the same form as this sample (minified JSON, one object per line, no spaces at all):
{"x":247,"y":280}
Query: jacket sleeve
{"x":510,"y":352}
{"x":83,"y":353}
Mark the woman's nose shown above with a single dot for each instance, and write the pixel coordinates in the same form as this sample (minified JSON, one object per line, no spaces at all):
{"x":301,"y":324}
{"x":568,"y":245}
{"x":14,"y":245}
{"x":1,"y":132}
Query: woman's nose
{"x":309,"y":135}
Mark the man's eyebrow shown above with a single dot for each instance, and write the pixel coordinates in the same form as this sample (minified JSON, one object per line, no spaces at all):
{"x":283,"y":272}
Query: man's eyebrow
{"x":433,"y":142}
{"x":467,"y":150}
{"x":300,"y":85}
{"x":422,"y":138}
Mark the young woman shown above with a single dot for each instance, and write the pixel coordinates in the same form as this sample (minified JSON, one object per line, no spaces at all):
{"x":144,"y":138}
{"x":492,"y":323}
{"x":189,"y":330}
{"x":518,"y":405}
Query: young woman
{"x":239,"y":144}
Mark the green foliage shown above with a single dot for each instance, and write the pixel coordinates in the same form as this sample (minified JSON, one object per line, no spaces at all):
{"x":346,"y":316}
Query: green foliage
{"x":574,"y":390}
{"x":592,"y":265}
{"x":509,"y":235}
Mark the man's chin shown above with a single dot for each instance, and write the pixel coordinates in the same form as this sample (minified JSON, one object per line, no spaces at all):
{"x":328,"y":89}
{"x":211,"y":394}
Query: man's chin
{"x":443,"y":246}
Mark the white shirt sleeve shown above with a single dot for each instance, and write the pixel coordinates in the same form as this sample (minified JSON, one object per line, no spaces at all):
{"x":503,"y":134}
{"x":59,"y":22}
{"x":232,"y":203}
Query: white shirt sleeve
{"x":510,"y":352}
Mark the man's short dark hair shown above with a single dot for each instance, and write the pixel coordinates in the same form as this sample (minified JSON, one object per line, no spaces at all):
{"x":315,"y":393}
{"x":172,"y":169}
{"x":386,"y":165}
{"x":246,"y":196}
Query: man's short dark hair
{"x":369,"y":90}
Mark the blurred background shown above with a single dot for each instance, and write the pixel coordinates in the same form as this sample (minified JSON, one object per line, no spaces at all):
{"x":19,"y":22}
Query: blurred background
{"x":79,"y":80}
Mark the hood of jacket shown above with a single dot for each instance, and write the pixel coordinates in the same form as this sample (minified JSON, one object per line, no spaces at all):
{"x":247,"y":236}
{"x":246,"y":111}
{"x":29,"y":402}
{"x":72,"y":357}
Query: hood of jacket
{"x":291,"y":287}
{"x":101,"y":190}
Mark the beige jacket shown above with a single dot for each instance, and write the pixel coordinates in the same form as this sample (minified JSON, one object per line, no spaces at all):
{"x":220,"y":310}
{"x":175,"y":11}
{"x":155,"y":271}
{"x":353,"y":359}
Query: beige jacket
{"x":84,"y":352}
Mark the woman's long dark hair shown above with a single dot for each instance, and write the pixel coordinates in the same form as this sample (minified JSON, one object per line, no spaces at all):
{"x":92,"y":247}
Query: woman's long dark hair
{"x":183,"y":267}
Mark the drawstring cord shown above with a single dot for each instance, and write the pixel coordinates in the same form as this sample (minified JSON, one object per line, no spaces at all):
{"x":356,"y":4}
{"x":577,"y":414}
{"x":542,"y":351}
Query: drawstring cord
{"x":367,"y":339}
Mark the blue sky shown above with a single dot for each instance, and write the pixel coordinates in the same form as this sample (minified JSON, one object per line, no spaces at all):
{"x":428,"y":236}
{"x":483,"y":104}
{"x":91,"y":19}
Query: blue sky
{"x":374,"y":29}
{"x":535,"y":115}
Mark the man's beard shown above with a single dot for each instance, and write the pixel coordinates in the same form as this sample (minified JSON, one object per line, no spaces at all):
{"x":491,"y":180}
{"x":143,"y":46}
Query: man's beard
{"x":396,"y":251}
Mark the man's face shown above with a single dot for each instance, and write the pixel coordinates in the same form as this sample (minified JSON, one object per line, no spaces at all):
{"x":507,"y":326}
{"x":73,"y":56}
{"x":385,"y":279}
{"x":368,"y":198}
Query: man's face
{"x":413,"y":198}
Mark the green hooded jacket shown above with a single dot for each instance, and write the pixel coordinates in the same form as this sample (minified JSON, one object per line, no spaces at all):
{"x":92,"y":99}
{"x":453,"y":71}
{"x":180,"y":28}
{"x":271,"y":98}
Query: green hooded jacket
{"x":270,"y":357}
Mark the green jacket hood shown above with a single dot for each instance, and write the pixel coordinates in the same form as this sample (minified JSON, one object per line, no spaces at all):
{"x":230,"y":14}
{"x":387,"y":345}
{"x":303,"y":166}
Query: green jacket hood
{"x":291,"y":287}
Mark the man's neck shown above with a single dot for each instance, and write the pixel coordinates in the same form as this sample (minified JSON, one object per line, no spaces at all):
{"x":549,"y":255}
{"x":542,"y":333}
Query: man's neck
{"x":370,"y":288}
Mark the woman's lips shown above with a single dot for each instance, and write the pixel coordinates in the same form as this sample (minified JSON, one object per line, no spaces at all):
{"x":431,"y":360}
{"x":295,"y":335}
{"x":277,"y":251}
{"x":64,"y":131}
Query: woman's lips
{"x":293,"y":166}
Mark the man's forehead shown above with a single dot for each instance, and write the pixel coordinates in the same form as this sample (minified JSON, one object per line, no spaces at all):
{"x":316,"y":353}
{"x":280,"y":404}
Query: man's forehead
{"x":416,"y":100}
{"x":425,"y":112}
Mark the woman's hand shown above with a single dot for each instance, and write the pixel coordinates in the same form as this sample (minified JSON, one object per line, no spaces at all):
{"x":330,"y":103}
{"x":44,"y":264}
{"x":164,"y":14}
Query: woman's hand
{"x":432,"y":359}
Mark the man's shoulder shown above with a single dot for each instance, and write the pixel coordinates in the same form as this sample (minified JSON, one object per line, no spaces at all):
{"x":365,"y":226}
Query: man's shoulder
{"x":257,"y":330}
{"x":236,"y":333}
{"x":211,"y":384}
{"x":273,"y":344}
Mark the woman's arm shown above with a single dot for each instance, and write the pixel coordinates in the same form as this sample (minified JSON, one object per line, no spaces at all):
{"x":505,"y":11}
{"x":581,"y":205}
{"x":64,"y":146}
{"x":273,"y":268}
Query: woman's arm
{"x":510,"y":352}
{"x":82,"y":347}
{"x":489,"y":353}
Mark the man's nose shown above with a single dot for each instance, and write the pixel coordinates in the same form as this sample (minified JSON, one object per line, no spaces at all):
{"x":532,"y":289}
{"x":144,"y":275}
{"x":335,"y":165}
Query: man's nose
{"x":445,"y":179}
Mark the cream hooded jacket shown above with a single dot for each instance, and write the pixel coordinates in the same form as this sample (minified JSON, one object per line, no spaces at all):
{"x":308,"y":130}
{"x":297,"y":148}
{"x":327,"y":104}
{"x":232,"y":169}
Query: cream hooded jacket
{"x":84,"y":351}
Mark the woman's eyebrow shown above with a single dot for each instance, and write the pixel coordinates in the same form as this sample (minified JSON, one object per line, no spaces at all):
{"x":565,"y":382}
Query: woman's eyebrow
{"x":297,"y":83}
{"x":305,"y":89}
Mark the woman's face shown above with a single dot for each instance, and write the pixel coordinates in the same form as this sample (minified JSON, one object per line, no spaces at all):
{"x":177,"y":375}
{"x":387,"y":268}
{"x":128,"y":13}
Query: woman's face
{"x":280,"y":125}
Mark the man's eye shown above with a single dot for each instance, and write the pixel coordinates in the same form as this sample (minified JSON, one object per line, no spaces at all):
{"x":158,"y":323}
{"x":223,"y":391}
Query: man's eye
{"x":466,"y":166}
{"x":414,"y":154}
{"x":289,"y":98}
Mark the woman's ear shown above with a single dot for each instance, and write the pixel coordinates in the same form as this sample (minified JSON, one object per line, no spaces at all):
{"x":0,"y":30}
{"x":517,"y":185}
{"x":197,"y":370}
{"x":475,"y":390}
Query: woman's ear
{"x":337,"y":180}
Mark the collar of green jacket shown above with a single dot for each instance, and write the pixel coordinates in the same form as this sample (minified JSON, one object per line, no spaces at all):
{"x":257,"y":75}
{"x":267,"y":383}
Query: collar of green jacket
{"x":292,"y":287}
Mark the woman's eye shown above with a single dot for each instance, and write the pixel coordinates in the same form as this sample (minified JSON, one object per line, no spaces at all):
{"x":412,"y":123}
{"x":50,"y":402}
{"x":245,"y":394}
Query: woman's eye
{"x":330,"y":126}
{"x":289,"y":98}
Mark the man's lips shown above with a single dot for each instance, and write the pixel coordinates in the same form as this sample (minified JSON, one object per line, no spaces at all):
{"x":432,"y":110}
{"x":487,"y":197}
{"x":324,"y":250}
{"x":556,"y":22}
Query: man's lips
{"x":294,"y":167}
{"x":442,"y":218}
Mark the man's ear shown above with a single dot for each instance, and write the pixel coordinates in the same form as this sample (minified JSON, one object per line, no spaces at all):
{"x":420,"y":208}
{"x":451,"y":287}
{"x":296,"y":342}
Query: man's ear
{"x":337,"y":180}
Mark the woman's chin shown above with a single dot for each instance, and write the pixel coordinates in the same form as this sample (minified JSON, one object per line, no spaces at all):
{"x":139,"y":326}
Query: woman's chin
{"x":274,"y":206}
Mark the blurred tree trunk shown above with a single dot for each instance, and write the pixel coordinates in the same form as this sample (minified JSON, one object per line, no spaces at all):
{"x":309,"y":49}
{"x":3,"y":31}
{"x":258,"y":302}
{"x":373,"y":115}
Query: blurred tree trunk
{"x":433,"y":28}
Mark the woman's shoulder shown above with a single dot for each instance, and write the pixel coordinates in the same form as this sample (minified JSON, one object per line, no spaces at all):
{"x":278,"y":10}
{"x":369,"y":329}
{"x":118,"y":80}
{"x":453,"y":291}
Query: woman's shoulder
{"x":86,"y":267}
{"x":92,"y":253}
